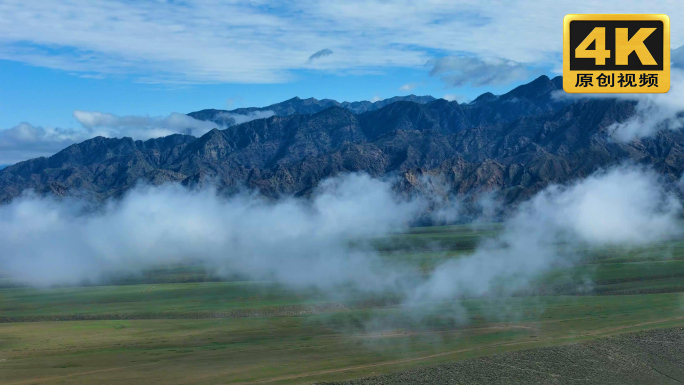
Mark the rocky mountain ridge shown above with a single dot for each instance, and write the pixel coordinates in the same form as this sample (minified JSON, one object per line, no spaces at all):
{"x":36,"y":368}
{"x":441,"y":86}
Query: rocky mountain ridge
{"x":515,"y":144}
{"x":297,"y":106}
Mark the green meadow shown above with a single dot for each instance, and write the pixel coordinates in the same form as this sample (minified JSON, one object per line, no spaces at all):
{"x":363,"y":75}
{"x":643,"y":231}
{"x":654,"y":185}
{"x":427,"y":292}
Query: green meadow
{"x":182,"y":325}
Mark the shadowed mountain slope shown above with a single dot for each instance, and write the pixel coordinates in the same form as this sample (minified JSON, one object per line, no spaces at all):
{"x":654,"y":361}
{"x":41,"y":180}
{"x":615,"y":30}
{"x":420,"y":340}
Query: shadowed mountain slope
{"x":516,"y":143}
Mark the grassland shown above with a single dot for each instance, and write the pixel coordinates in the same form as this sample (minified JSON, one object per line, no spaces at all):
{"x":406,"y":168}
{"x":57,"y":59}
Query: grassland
{"x":180,"y":325}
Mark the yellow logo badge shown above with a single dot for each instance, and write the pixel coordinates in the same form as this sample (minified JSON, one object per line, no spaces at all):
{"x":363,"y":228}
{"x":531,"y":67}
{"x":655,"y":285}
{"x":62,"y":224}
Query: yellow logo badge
{"x":616,"y":53}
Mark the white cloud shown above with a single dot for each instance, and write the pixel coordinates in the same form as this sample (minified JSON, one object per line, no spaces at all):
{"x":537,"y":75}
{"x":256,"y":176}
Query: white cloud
{"x":456,"y":97}
{"x":654,"y":112}
{"x":326,"y":241}
{"x":141,"y":127}
{"x":322,"y":242}
{"x":208,"y":41}
{"x":230,"y":118}
{"x":408,"y":87}
{"x":25,"y":141}
{"x":625,"y":206}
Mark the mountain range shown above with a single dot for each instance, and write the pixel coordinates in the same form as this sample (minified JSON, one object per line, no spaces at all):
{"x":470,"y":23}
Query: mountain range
{"x":515,"y":144}
{"x":298,"y":106}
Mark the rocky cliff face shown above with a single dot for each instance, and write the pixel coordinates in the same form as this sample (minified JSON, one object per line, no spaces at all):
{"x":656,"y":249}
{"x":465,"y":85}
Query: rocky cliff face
{"x":516,"y":143}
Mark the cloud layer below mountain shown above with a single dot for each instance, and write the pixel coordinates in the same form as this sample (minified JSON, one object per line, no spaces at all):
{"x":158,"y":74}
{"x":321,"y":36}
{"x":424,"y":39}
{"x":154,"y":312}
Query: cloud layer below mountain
{"x":626,"y":206}
{"x":325,"y":241}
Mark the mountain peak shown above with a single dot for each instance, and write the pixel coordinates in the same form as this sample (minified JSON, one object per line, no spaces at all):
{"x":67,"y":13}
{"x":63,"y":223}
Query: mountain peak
{"x":486,"y":97}
{"x":532,"y":90}
{"x":298,"y":106}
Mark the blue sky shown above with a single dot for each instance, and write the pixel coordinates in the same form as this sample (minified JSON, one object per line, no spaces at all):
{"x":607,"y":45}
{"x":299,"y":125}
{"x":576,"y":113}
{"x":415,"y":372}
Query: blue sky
{"x":44,"y":96}
{"x":74,"y":69}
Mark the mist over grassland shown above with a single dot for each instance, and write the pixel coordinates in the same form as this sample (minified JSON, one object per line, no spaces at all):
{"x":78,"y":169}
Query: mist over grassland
{"x":329,"y":241}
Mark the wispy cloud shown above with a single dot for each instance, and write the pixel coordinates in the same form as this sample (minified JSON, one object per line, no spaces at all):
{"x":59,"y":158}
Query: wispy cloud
{"x":25,"y":141}
{"x":141,"y":127}
{"x":408,"y":87}
{"x":459,"y":71}
{"x":627,"y":206}
{"x":654,"y":112}
{"x":208,"y":41}
{"x":456,"y":97}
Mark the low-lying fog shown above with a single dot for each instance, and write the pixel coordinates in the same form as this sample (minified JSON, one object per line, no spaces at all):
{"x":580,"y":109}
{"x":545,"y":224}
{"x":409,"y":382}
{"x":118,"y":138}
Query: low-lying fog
{"x":324,"y":241}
